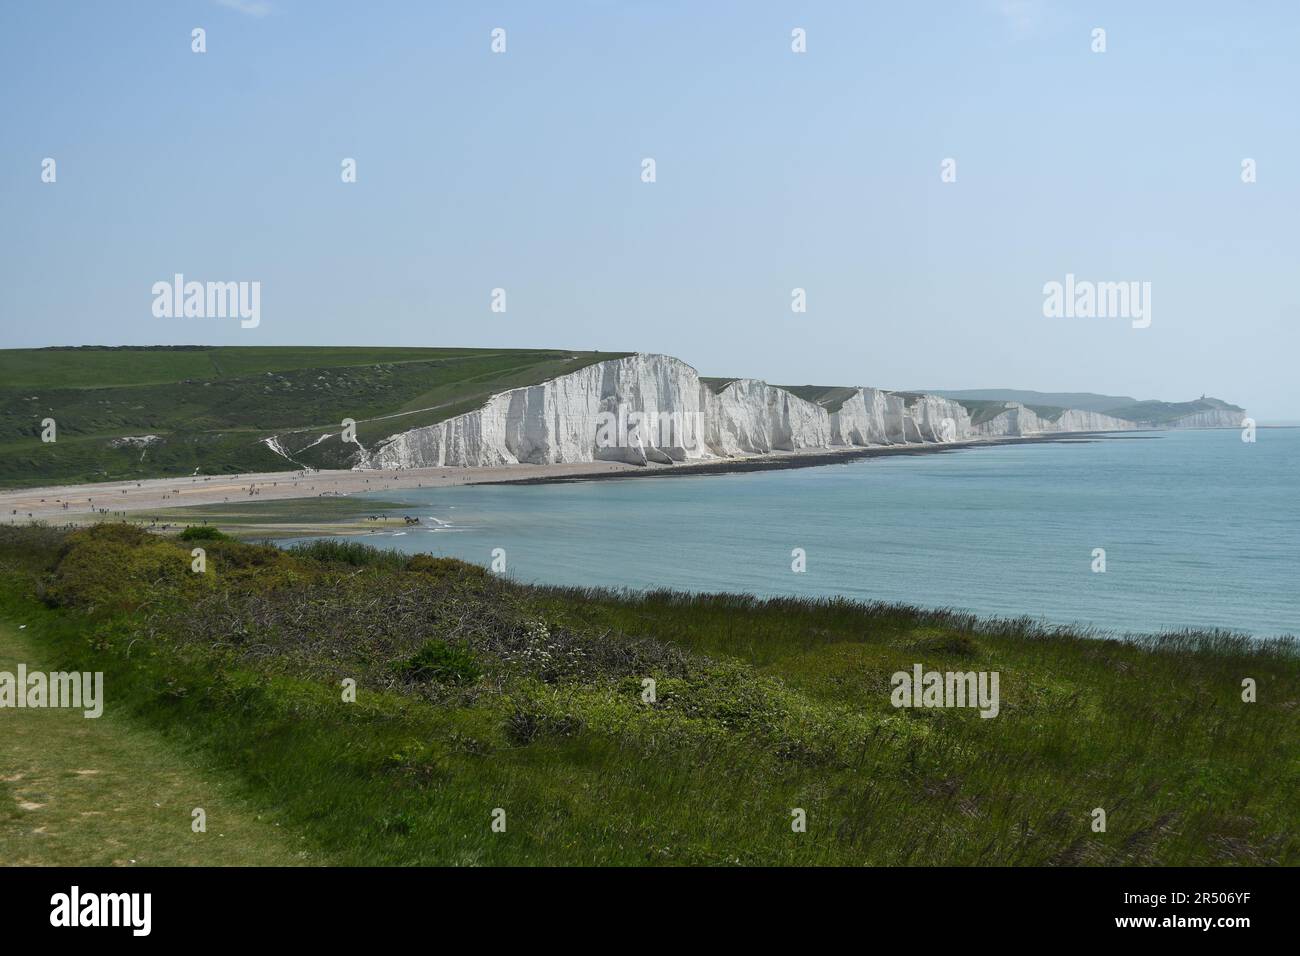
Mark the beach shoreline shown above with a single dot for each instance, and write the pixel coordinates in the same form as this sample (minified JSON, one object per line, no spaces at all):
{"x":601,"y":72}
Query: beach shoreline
{"x":814,"y":458}
{"x":80,"y":503}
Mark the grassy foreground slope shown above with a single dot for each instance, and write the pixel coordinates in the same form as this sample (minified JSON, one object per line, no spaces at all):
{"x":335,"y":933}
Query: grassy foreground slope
{"x":154,"y":412}
{"x":478,"y":696}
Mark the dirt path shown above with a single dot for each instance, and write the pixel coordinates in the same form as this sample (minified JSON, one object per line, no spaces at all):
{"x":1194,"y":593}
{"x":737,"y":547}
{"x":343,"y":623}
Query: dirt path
{"x":106,"y":792}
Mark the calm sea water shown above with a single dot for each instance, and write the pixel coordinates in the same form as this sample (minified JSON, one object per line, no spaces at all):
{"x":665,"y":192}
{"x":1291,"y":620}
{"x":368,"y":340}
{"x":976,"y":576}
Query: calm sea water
{"x":1199,"y":528}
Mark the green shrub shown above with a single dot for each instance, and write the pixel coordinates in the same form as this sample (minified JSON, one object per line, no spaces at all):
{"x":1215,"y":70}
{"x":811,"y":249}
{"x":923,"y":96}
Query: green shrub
{"x":119,"y":567}
{"x":202,"y":532}
{"x":439,"y":661}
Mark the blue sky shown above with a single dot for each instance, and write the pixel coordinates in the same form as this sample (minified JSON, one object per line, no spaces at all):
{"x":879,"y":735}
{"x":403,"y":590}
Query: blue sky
{"x":775,"y":170}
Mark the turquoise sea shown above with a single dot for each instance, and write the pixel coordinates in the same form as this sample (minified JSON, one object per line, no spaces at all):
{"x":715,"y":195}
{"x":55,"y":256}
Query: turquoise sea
{"x":1200,"y":530}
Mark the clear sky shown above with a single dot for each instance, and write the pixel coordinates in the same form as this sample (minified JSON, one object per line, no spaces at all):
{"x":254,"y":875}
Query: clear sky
{"x":775,"y":170}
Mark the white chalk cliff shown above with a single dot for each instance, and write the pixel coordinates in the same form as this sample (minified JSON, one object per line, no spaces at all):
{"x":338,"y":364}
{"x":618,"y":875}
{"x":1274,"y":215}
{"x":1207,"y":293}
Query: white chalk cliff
{"x":1021,"y":420}
{"x":559,"y":420}
{"x":1210,"y":418}
{"x":655,"y":408}
{"x":749,"y":417}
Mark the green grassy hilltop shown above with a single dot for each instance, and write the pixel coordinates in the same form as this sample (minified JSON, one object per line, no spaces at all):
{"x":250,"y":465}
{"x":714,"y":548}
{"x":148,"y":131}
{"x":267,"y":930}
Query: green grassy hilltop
{"x":475,"y":694}
{"x":153,"y":412}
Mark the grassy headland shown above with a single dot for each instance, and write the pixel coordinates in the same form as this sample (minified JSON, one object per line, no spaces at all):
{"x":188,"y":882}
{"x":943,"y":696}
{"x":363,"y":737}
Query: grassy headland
{"x":130,"y":413}
{"x":476,"y":693}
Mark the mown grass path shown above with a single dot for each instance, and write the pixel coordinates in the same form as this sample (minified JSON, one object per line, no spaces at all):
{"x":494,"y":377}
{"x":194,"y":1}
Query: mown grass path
{"x":107,"y":792}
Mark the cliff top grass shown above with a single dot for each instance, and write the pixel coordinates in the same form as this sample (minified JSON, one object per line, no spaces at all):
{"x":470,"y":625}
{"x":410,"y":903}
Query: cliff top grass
{"x":829,"y":397}
{"x":716,"y":385}
{"x":475,"y":693}
{"x":103,"y":366}
{"x":981,"y":411}
{"x":1048,"y":413}
{"x":209,"y":408}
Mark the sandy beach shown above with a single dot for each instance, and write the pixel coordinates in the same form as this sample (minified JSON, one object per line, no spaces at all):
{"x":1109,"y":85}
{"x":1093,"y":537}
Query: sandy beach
{"x":76,"y":503}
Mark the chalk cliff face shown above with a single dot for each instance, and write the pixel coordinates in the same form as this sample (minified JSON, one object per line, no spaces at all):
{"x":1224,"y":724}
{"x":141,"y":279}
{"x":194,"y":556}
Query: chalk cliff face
{"x":1020,"y":420}
{"x":1217,"y":418}
{"x":749,"y":417}
{"x":870,"y":416}
{"x":1074,"y":420}
{"x":1016,"y":420}
{"x":655,"y":408}
{"x":559,"y":420}
{"x":931,"y":418}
